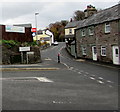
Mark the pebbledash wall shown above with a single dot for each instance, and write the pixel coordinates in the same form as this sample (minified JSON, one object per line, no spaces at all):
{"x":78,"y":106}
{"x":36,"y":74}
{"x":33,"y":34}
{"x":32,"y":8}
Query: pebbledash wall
{"x":106,"y":43}
{"x":25,"y":36}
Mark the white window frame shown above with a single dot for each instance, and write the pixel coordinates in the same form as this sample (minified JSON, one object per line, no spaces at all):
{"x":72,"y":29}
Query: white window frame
{"x":84,"y":51}
{"x":83,"y":32}
{"x":103,"y":51}
{"x":91,"y":31}
{"x":107,"y":27}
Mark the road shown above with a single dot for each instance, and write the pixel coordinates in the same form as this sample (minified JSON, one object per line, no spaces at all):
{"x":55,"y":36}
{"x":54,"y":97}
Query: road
{"x":76,"y":85}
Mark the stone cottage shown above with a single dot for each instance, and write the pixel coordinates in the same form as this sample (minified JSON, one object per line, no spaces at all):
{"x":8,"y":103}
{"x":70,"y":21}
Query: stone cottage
{"x":98,"y":36}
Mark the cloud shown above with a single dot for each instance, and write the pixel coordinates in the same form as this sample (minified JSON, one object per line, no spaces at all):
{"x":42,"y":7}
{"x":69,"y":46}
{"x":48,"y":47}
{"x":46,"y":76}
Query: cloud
{"x":50,"y":11}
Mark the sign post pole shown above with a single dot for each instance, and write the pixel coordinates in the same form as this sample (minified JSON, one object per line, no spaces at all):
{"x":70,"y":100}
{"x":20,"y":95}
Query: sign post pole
{"x":21,"y":57}
{"x":22,"y":49}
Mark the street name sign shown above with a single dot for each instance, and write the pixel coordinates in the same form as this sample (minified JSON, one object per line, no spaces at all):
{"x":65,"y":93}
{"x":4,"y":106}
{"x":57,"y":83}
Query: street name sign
{"x":30,"y":52}
{"x":24,"y":49}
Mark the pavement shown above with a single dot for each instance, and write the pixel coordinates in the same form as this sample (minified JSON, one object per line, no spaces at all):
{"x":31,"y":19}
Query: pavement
{"x":48,"y":64}
{"x":108,"y":65}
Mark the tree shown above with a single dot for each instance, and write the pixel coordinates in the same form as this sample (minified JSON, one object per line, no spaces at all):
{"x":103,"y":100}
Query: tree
{"x":57,"y":29}
{"x":78,"y":15}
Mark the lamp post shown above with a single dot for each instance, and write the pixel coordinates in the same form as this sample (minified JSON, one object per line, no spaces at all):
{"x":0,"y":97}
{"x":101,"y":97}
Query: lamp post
{"x":36,"y":26}
{"x":37,"y":32}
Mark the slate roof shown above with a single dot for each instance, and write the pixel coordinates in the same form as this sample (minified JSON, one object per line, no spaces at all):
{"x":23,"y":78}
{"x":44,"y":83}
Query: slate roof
{"x":110,"y":14}
{"x":72,"y":24}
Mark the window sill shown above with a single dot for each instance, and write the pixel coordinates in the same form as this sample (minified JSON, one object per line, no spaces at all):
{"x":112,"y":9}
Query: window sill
{"x":103,"y":55}
{"x":107,"y":32}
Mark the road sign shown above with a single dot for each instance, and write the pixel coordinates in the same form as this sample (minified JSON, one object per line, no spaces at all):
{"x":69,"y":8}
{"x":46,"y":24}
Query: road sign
{"x":24,"y":49}
{"x":11,"y":28}
{"x":33,"y":29}
{"x":30,"y":52}
{"x":33,"y":34}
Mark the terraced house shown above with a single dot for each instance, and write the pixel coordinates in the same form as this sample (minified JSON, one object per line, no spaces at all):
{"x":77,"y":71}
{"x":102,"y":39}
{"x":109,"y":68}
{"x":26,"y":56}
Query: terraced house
{"x":70,"y":36}
{"x":98,"y":36}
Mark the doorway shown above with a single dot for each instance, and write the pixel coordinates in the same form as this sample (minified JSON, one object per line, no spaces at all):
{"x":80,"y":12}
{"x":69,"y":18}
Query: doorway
{"x":116,"y":55}
{"x":94,"y":53}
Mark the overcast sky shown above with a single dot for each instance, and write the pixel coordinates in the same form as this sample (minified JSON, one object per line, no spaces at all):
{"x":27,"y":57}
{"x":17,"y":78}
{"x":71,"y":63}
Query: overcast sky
{"x":50,"y":11}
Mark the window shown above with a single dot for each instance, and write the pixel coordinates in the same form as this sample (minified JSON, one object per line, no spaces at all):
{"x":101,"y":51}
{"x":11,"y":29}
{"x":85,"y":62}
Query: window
{"x":95,"y":50}
{"x":70,"y":31}
{"x":83,"y":32}
{"x":103,"y":51}
{"x":116,"y":52}
{"x":107,"y":27}
{"x":91,"y":31}
{"x":84,"y":50}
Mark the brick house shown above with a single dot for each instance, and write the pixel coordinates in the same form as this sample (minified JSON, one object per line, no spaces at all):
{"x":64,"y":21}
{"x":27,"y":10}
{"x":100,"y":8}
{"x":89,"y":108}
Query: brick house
{"x":97,"y":37}
{"x":21,"y":33}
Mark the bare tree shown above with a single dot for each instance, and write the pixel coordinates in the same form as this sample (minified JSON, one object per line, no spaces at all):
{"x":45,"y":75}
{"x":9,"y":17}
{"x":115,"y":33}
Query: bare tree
{"x":78,"y":15}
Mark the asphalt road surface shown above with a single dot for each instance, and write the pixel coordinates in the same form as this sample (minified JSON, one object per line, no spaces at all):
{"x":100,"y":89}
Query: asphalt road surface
{"x":76,"y":85}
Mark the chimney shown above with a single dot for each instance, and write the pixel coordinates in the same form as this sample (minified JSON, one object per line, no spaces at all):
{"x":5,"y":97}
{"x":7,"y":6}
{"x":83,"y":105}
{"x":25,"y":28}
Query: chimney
{"x":90,"y":11}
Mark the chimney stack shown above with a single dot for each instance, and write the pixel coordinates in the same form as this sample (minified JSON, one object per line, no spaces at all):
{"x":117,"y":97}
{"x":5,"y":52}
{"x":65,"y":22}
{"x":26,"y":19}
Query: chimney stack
{"x":90,"y":11}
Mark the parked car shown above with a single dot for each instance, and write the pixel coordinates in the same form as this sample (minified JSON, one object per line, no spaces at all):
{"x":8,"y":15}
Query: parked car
{"x":55,"y":43}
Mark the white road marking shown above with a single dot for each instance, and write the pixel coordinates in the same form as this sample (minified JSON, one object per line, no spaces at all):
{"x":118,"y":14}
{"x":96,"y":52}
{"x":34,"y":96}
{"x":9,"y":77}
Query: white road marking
{"x":101,"y":82}
{"x":60,"y":102}
{"x":110,"y":81}
{"x":47,"y":59}
{"x":71,"y":68}
{"x":65,"y":65}
{"x":86,"y":72}
{"x":81,"y":70}
{"x":110,"y":86}
{"x":93,"y":75}
{"x":92,"y":78}
{"x":43,"y":79}
{"x":79,"y":73}
{"x":100,"y":77}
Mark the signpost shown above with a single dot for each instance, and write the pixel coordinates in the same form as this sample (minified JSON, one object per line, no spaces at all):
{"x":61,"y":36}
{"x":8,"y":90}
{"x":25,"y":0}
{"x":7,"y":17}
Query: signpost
{"x":23,"y":49}
{"x":29,"y":53}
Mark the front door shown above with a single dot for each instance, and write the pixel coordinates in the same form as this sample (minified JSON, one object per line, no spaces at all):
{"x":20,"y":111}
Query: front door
{"x":94,"y":52}
{"x":116,"y":55}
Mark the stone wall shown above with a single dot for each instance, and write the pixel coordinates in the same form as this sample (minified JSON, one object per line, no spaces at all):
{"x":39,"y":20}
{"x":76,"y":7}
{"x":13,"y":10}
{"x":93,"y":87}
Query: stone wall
{"x":13,"y":56}
{"x":100,"y":38}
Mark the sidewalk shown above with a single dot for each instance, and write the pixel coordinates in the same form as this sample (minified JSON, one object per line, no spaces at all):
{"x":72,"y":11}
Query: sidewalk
{"x":66,"y":54}
{"x":46,"y":64}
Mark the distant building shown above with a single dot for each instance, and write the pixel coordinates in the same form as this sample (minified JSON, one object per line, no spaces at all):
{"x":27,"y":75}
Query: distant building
{"x":21,"y":32}
{"x":44,"y":36}
{"x":70,"y":35}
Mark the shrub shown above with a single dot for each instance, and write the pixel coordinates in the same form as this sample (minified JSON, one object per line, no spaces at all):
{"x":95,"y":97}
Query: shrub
{"x":10,"y":43}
